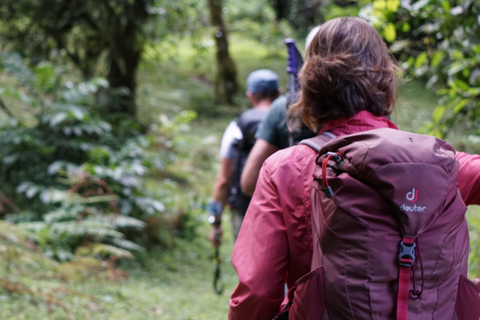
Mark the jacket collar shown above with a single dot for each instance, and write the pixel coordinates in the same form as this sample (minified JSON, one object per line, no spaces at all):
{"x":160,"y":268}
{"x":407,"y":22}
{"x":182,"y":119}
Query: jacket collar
{"x":362,"y":121}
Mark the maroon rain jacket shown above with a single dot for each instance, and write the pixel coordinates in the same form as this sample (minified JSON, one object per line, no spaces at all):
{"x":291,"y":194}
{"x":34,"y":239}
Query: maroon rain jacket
{"x":275,"y":242}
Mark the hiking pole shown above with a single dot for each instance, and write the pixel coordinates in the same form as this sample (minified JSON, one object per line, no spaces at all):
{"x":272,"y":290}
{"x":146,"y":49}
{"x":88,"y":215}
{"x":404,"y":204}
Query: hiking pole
{"x":294,"y":63}
{"x":218,"y":285}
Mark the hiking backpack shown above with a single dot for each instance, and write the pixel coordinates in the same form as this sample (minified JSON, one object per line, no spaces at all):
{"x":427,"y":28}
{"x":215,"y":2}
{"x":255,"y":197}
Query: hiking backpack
{"x":390,"y":238}
{"x":248,"y":123}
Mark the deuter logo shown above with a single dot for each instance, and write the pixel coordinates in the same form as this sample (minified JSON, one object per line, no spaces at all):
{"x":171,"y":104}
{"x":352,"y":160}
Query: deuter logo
{"x":413,"y":208}
{"x":412,"y":195}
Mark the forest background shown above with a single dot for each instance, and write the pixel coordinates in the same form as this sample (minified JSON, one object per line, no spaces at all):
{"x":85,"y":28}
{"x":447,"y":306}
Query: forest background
{"x":111,"y":115}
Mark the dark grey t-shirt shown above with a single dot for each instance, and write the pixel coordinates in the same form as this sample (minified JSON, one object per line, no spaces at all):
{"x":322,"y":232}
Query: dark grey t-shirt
{"x":274,"y":127}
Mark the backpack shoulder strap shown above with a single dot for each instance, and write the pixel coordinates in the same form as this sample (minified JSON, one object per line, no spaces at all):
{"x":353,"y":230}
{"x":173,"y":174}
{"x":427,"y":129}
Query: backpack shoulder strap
{"x":248,"y":123}
{"x":317,"y":142}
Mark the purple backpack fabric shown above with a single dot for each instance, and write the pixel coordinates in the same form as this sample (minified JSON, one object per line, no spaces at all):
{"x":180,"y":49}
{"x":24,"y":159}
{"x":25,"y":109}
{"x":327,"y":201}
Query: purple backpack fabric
{"x":389,"y":229}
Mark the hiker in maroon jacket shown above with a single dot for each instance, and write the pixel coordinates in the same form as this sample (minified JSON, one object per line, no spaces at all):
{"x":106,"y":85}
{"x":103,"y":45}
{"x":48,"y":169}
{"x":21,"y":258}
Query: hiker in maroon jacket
{"x":275,"y":243}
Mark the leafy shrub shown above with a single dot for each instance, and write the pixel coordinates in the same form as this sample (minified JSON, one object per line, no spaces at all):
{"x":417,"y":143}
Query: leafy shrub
{"x":76,"y":176}
{"x":437,"y":41}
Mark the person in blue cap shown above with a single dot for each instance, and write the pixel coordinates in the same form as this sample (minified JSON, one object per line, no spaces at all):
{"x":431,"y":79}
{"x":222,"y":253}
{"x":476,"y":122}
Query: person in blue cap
{"x":238,"y":139}
{"x":273,"y":135}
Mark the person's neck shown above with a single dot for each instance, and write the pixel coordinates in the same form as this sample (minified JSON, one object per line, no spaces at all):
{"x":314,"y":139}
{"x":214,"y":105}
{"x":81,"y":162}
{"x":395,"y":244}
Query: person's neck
{"x":263,"y":104}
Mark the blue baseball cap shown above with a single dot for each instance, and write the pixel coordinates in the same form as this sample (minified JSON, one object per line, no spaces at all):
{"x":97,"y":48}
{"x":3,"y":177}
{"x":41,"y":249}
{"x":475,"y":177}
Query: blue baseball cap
{"x":262,"y":80}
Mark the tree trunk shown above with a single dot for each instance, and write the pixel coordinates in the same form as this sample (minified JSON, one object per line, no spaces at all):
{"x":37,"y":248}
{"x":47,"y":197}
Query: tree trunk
{"x":124,"y":60}
{"x":281,"y":8}
{"x":124,"y":57}
{"x":300,"y":14}
{"x":226,"y":84}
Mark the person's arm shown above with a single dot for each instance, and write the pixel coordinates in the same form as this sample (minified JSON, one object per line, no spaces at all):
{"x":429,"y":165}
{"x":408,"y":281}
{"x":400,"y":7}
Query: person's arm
{"x":469,"y":177}
{"x":260,"y":256}
{"x":219,"y":198}
{"x":221,"y":188}
{"x":259,"y":153}
{"x":223,"y":181}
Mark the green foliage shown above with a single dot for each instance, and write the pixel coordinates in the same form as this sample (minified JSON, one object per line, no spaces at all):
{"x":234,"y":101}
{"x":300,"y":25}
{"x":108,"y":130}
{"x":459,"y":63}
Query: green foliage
{"x":103,"y":38}
{"x":73,"y":178}
{"x":437,"y":41}
{"x":258,"y":20}
{"x":473,"y":218}
{"x":77,"y":224}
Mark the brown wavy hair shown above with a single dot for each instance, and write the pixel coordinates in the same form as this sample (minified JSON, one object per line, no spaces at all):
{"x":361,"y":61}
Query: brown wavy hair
{"x":347,"y":69}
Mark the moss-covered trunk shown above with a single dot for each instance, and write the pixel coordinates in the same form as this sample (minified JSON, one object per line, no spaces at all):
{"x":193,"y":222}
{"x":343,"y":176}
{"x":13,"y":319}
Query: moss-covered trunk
{"x":226,"y":84}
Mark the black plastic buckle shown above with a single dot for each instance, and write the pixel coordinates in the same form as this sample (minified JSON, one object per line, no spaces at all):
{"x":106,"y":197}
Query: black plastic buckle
{"x":338,"y":159}
{"x":406,"y":255}
{"x":336,"y":156}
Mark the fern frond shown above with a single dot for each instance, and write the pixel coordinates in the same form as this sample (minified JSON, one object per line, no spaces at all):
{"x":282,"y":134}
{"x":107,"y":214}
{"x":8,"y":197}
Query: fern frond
{"x":94,"y":199}
{"x":104,"y":250}
{"x":33,"y":226}
{"x":121,"y":221}
{"x":85,"y":227}
{"x":13,"y":233}
{"x":126,"y":244}
{"x":62,"y":214}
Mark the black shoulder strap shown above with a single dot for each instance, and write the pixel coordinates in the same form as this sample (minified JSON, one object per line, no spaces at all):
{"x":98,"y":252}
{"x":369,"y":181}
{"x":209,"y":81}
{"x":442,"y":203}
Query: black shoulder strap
{"x":248,"y":123}
{"x":317,"y":142}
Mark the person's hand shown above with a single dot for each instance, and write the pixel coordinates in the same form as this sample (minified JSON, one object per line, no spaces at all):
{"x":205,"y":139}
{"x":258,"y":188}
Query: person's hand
{"x":215,"y":236}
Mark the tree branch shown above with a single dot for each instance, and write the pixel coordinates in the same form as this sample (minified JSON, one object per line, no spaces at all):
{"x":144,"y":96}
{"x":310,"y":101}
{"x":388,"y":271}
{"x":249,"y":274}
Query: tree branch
{"x":6,"y":200}
{"x":3,"y":106}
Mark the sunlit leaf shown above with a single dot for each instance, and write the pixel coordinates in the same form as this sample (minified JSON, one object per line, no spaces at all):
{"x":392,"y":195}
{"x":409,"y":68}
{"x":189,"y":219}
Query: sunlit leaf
{"x":7,"y":160}
{"x":474,"y":91}
{"x":420,"y":4}
{"x":23,"y":187}
{"x":462,"y":85}
{"x":31,"y":192}
{"x":54,"y":167}
{"x":421,"y":59}
{"x":459,"y":106}
{"x":437,"y":57}
{"x":457,"y":55}
{"x":392,"y":5}
{"x":45,"y":197}
{"x":390,"y":33}
{"x":77,"y":112}
{"x":446,"y":6}
{"x":57,"y":118}
{"x":455,"y":67}
{"x":438,"y":113}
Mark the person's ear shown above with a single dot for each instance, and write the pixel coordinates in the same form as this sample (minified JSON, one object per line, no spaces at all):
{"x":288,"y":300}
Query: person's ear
{"x":250,"y":96}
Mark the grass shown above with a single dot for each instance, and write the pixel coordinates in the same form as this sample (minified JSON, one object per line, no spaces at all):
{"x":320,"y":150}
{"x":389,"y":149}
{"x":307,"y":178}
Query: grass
{"x":173,"y":286}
